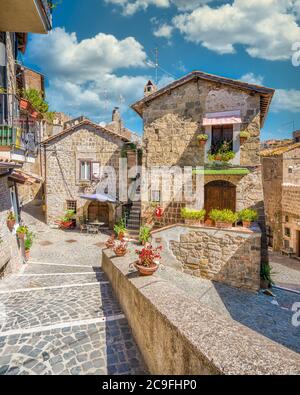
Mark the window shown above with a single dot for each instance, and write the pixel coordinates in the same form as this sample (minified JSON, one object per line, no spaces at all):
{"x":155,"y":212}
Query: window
{"x":220,"y":134}
{"x":286,"y":218}
{"x":286,"y":244}
{"x":72,"y":205}
{"x":155,"y":196}
{"x":287,"y":232}
{"x":85,"y":170}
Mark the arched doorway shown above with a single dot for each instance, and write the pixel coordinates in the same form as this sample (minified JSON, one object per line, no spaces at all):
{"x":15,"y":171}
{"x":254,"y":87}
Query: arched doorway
{"x":98,"y":212}
{"x":219,"y":195}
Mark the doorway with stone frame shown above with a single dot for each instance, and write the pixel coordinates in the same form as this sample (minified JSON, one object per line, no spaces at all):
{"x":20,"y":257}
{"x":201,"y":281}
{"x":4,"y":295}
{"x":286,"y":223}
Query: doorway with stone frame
{"x":219,"y":195}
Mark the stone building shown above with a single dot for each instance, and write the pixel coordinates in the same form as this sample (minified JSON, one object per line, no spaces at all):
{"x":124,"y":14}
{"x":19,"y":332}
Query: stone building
{"x":18,"y":139}
{"x":73,"y":161}
{"x":221,"y":108}
{"x":281,"y":181}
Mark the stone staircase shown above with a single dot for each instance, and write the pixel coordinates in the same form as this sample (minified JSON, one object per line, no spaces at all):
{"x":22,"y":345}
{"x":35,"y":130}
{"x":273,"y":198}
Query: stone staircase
{"x":134,"y":220}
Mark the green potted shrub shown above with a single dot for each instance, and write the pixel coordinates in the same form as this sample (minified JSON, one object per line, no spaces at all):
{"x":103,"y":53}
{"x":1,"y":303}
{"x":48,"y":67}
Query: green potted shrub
{"x":202,"y":139}
{"x":244,"y":136}
{"x":145,"y":235}
{"x":28,"y":244}
{"x":223,"y":218}
{"x":21,"y":232}
{"x":193,"y":217}
{"x":266,"y":280}
{"x":223,"y":155}
{"x":67,"y":221}
{"x":247,"y":216}
{"x":120,"y":229}
{"x":10,"y":220}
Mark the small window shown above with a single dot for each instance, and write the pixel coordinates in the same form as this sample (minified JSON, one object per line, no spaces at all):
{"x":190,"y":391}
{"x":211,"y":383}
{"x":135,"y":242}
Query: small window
{"x":290,"y":170}
{"x":72,"y":205}
{"x":220,"y":135}
{"x":286,"y":244}
{"x":287,"y":218}
{"x":155,"y":196}
{"x":85,"y":170}
{"x":287,"y":232}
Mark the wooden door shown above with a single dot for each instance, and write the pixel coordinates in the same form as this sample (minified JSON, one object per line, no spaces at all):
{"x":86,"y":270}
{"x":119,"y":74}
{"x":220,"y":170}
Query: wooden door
{"x":98,"y":212}
{"x":220,"y":195}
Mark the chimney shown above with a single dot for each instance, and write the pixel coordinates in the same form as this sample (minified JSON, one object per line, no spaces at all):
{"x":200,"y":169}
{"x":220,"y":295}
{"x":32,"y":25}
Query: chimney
{"x":149,"y":88}
{"x":117,"y":120}
{"x":296,"y":136}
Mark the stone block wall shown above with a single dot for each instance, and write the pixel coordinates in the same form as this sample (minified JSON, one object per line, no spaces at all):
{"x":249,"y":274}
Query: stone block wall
{"x":230,"y":256}
{"x":173,"y":120}
{"x":63,"y":156}
{"x":9,"y":253}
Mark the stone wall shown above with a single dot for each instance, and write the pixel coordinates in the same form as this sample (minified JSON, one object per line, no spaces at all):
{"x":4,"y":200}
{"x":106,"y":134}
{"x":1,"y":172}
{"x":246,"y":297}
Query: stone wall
{"x":230,"y":256}
{"x":177,"y":335}
{"x":172,"y":122}
{"x":9,"y":253}
{"x":63,"y":156}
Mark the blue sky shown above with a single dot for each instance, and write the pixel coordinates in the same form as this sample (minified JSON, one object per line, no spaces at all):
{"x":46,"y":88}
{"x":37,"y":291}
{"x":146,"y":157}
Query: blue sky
{"x":100,"y":52}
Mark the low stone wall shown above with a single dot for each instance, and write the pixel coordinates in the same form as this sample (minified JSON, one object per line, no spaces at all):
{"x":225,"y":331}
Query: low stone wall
{"x":177,"y":335}
{"x":231,"y":256}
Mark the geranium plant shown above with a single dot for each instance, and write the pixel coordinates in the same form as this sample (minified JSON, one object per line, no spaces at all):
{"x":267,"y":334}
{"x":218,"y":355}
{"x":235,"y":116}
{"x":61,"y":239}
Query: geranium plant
{"x":120,"y":248}
{"x":148,"y":256}
{"x":223,"y":154}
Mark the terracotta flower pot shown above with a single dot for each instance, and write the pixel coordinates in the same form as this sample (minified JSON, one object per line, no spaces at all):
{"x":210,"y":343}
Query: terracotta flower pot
{"x":10,"y":224}
{"x":246,"y":224}
{"x":120,"y":253}
{"x":27,"y":255}
{"x":192,"y":222}
{"x":222,"y":225}
{"x":208,"y":222}
{"x":243,"y":140}
{"x":24,"y":104}
{"x":121,"y":235}
{"x":21,"y":236}
{"x":144,"y":270}
{"x":202,"y":143}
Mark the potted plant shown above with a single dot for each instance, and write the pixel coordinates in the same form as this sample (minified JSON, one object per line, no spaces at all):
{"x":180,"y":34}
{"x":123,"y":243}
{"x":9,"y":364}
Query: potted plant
{"x":266,"y":280}
{"x":223,"y":218}
{"x":148,"y":262}
{"x":24,"y":104}
{"x":10,"y":220}
{"x":110,"y":242}
{"x":120,"y":248}
{"x":223,"y":155}
{"x":28,"y":244}
{"x":67,"y":221}
{"x":21,"y":232}
{"x":145,"y":234}
{"x":244,"y":136}
{"x":247,"y":216}
{"x":193,"y":217}
{"x":202,"y":139}
{"x":120,"y":229}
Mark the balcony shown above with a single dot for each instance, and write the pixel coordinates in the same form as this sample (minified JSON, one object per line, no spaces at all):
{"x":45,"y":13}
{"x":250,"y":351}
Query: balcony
{"x":26,"y":16}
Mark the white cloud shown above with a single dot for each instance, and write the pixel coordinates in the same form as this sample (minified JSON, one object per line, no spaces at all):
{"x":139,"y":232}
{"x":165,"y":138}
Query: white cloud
{"x":130,"y":7}
{"x":267,"y":28}
{"x":84,"y":76}
{"x":164,"y":31}
{"x":251,"y":78}
{"x":286,"y":100}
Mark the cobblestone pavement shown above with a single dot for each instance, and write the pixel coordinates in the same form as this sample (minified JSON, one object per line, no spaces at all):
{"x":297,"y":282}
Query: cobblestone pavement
{"x":59,"y":315}
{"x":286,"y":271}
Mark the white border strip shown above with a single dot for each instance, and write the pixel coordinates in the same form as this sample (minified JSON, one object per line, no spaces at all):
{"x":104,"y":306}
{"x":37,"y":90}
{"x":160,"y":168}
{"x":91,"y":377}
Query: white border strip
{"x":12,"y":291}
{"x":63,"y":325}
{"x":59,"y":274}
{"x":59,"y":264}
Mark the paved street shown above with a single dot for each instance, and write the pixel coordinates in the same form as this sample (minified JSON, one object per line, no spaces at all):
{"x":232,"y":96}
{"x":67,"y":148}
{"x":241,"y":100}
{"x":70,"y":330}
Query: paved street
{"x":286,"y":271}
{"x":59,"y":315}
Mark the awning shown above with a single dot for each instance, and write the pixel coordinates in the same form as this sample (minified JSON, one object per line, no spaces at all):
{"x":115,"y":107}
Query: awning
{"x":100,"y":197}
{"x":222,"y":118}
{"x":24,"y":178}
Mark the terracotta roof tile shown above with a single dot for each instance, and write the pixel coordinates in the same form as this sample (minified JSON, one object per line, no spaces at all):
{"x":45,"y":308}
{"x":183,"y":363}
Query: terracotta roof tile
{"x":279,"y":150}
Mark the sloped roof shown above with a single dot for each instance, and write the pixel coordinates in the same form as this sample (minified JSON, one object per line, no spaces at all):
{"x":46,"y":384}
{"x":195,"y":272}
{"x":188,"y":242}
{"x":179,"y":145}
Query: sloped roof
{"x":266,"y":94}
{"x":279,"y":150}
{"x":84,"y":122}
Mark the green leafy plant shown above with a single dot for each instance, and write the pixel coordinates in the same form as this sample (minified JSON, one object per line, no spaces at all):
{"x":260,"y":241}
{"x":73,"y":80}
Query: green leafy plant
{"x":11,"y":216}
{"x":145,"y":234}
{"x":69,"y":216}
{"x":29,"y":240}
{"x":245,"y":135}
{"x":188,"y":213}
{"x":223,"y":154}
{"x":120,"y":227}
{"x":266,"y":273}
{"x":248,"y":215}
{"x":223,"y":216}
{"x":202,"y":137}
{"x":22,"y":230}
